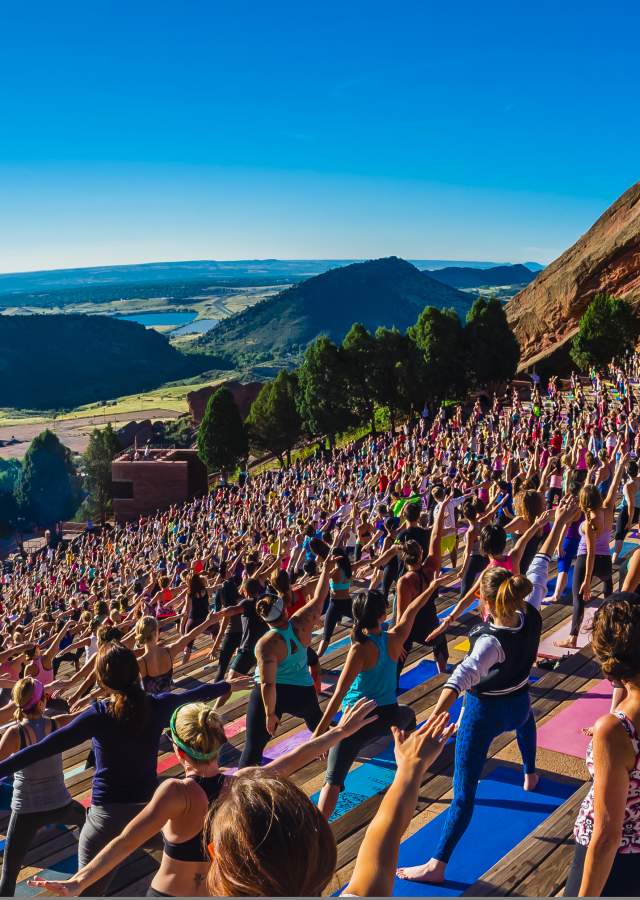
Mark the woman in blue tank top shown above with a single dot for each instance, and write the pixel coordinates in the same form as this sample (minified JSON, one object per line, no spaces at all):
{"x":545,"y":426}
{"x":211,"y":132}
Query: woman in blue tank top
{"x":370,"y":672}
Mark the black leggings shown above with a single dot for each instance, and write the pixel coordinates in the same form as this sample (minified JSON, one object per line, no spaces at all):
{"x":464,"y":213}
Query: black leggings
{"x":290,"y":698}
{"x":601,"y":569}
{"x":337,"y":608}
{"x":477,"y":564}
{"x":230,"y":643}
{"x":22,"y":829}
{"x":622,"y":522}
{"x":623,"y":880}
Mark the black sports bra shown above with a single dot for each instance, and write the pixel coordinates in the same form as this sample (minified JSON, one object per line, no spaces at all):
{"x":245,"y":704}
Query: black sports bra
{"x":193,"y":850}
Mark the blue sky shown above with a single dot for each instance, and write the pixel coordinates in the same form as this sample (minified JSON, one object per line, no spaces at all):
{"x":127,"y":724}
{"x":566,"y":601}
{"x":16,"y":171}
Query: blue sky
{"x":140,"y":131}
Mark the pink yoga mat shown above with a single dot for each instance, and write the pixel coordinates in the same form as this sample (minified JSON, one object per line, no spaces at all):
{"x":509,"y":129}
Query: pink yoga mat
{"x":547,"y":644}
{"x":563,"y":732}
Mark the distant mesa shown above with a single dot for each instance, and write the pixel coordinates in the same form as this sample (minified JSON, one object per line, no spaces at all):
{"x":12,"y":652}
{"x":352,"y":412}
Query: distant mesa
{"x":243,"y":394}
{"x":381,"y":292}
{"x":546,"y":314}
{"x":496,"y":276}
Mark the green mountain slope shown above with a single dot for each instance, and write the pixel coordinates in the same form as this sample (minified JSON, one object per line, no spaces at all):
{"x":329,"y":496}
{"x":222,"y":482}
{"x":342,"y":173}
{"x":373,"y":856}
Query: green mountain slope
{"x":388,"y":291}
{"x":61,"y":361}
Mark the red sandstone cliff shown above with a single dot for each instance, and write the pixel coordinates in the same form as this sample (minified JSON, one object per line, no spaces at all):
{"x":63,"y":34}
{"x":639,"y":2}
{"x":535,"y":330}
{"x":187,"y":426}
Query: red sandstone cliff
{"x":545,"y":315}
{"x":243,"y":394}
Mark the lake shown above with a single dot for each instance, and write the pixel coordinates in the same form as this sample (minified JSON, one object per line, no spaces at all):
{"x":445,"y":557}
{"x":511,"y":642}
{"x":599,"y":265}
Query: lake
{"x":151,"y":319}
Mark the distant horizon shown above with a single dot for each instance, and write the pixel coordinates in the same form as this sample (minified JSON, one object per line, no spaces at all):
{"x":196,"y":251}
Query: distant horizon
{"x":266,"y":259}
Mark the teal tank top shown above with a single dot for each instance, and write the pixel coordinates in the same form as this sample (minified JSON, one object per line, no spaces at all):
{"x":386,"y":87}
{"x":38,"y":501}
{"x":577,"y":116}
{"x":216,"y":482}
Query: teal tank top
{"x":378,"y":683}
{"x":294,"y":668}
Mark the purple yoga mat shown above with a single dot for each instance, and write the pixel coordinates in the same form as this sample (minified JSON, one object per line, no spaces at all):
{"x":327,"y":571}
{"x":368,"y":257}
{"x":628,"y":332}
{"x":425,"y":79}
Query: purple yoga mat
{"x":563,"y":732}
{"x":547,"y":644}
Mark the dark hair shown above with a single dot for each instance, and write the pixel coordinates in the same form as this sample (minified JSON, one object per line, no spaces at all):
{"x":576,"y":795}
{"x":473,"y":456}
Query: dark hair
{"x":616,"y":636}
{"x":632,"y":468}
{"x":116,"y":668}
{"x":411,"y":553}
{"x":341,"y":557}
{"x":367,"y":607}
{"x":493,"y":540}
{"x":319,"y":547}
{"x":412,"y":512}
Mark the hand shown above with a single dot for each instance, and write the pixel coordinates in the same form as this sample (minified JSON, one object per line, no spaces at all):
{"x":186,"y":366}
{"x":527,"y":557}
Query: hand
{"x":446,"y":622}
{"x":585,"y":591}
{"x":272,"y":723}
{"x":69,"y":888}
{"x":566,"y":509}
{"x":357,"y":716}
{"x":419,"y":749}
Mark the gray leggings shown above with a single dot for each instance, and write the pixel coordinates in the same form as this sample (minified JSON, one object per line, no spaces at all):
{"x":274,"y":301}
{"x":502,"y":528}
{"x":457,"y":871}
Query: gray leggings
{"x":103,"y":823}
{"x":22,"y":829}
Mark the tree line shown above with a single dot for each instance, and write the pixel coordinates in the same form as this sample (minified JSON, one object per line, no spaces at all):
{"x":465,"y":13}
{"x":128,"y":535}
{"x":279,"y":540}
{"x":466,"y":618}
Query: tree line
{"x":339,"y":387}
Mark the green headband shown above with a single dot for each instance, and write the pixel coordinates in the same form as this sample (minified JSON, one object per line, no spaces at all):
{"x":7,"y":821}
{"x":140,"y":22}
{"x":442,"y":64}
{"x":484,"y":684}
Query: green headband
{"x":194,"y":754}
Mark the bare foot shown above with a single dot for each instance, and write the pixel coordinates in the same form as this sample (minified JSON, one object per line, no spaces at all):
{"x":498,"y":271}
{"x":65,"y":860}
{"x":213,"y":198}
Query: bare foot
{"x":531,"y":781}
{"x":569,"y":643}
{"x":431,"y":872}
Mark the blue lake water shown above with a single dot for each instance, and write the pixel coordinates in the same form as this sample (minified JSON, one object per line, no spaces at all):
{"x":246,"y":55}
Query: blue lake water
{"x":160,"y":318}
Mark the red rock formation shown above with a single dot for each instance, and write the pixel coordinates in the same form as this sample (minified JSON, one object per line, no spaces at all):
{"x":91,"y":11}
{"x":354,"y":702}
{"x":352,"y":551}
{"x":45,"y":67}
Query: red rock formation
{"x":546,"y":314}
{"x":243,"y":394}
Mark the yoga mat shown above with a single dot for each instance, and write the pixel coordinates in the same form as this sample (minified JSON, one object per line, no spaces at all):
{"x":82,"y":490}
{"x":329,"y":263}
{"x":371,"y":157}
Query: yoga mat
{"x":504,"y":814}
{"x":563,"y":732}
{"x":374,"y":775}
{"x":548,"y":650}
{"x":449,"y":609}
{"x":58,"y":872}
{"x":464,"y":646}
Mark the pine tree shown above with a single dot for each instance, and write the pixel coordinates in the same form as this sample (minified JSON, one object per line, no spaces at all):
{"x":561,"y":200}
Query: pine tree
{"x":103,"y":447}
{"x":608,"y":328}
{"x":274,"y":422}
{"x":322,"y":397}
{"x":49,"y":490}
{"x":492,"y":350}
{"x":222,"y":437}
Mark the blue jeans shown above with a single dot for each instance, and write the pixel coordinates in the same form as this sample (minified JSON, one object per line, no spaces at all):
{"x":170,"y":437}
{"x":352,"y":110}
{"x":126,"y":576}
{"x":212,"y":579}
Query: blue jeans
{"x":483,"y":720}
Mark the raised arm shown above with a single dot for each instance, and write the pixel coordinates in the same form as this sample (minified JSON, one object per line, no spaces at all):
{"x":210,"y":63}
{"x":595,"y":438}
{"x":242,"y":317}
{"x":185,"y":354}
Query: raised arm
{"x":377,"y":858}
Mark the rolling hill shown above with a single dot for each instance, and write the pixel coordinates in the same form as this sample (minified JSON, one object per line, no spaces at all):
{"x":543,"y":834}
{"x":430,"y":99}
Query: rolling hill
{"x":390,"y":292}
{"x":496,"y":276}
{"x":53,"y":362}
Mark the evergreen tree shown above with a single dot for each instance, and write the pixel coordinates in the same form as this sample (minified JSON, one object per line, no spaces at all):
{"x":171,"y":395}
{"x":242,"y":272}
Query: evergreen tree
{"x":274,"y":422}
{"x":439,"y":336}
{"x":222,"y":437}
{"x":492,"y":349}
{"x":322,"y":401}
{"x":608,"y":328}
{"x":360,"y":355}
{"x":103,"y":447}
{"x":49,"y":490}
{"x":401,"y":375}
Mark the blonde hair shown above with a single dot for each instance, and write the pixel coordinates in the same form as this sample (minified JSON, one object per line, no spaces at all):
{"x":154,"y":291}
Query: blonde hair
{"x":21,"y":695}
{"x":590,"y":502}
{"x":505,"y":593}
{"x":146,"y":629}
{"x":200,"y":728}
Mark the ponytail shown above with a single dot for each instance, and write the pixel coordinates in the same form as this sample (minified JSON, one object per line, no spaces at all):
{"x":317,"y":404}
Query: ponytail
{"x":367,"y":607}
{"x":511,"y":596}
{"x":117,"y":669}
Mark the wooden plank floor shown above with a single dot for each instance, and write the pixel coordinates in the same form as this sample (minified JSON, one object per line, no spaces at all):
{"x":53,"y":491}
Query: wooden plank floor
{"x":550,"y":844}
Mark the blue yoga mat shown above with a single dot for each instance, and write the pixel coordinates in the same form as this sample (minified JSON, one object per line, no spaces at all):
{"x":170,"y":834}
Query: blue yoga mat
{"x":376,"y":774}
{"x":59,"y":871}
{"x":504,"y":814}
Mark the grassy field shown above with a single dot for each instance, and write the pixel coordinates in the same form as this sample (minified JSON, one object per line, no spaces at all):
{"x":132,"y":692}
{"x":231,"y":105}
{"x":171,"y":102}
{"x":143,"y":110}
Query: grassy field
{"x":172,"y":397}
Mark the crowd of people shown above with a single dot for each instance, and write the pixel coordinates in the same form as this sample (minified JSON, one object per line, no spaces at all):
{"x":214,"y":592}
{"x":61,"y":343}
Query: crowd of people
{"x":479,"y":499}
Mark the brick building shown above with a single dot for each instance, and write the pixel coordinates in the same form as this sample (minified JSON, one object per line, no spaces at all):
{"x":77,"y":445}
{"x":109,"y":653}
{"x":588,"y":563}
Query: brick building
{"x":145,"y":481}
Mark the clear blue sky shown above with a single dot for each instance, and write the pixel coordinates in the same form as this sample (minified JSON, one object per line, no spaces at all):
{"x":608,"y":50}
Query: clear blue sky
{"x":138,"y":131}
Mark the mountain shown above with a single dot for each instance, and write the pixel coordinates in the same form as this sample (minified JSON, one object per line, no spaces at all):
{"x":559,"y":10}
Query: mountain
{"x":534,"y":266}
{"x":61,"y":361}
{"x":496,"y":276}
{"x":546,"y":314}
{"x":387,"y":291}
{"x":142,"y":279}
